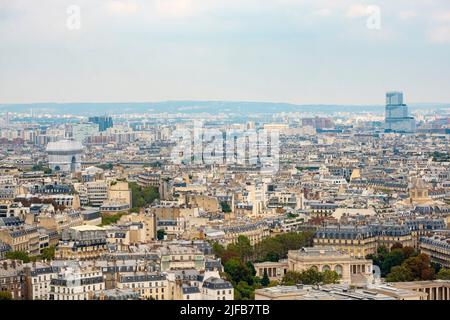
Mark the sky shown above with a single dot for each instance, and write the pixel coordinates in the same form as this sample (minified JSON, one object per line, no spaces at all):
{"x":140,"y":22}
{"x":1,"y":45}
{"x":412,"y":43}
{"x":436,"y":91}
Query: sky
{"x":298,"y":51}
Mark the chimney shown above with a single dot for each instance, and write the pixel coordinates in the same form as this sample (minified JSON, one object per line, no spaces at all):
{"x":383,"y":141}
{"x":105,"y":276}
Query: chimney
{"x":5,"y":265}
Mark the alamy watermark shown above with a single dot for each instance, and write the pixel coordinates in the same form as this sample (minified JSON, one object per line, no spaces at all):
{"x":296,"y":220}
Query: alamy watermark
{"x":73,"y":21}
{"x":374,"y":19}
{"x":195,"y":144}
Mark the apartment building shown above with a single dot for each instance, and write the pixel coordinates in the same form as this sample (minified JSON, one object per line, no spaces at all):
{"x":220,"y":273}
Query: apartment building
{"x":12,"y":279}
{"x":217,"y":289}
{"x":23,"y":238}
{"x":79,"y":283}
{"x":437,"y":247}
{"x":37,"y":277}
{"x":82,"y":243}
{"x":150,"y":286}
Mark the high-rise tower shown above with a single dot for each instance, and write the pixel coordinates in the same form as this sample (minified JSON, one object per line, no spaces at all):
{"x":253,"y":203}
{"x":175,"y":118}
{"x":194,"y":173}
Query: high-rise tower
{"x":397,"y":117}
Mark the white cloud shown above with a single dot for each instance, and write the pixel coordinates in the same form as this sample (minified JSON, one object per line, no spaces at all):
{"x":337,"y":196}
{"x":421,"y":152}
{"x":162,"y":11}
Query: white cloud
{"x":407,"y":14}
{"x":442,"y":16}
{"x":323,"y":12}
{"x":440,"y":34}
{"x":175,"y":8}
{"x":357,"y":10}
{"x":122,"y":7}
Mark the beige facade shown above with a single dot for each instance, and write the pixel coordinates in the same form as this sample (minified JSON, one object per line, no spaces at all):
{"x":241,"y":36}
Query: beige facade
{"x":361,"y":247}
{"x":60,"y":221}
{"x":437,"y":248}
{"x":144,"y":235}
{"x":24,"y":239}
{"x":435,"y":290}
{"x":119,"y":192}
{"x":149,"y":286}
{"x":254,"y":232}
{"x":358,"y":248}
{"x":274,"y":270}
{"x":177,"y":258}
{"x":208,"y":203}
{"x":351,"y":270}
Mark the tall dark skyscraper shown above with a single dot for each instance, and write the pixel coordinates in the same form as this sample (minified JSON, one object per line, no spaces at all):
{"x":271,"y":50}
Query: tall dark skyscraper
{"x":103,"y":122}
{"x":397,"y":117}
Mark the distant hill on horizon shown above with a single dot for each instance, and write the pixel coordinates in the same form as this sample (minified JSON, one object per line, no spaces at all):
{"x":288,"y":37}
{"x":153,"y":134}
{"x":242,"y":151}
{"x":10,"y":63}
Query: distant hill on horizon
{"x":213,"y":107}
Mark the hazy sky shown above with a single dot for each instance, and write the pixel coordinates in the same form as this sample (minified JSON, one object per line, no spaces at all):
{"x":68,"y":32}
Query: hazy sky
{"x":300,"y":51}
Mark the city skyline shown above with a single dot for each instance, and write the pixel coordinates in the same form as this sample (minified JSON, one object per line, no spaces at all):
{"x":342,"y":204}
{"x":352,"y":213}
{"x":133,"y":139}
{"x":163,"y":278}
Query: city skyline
{"x":302,"y":52}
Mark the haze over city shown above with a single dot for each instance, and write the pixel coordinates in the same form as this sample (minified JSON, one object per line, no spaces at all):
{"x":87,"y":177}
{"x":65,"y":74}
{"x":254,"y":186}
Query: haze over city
{"x":297,"y":51}
{"x":202,"y":152}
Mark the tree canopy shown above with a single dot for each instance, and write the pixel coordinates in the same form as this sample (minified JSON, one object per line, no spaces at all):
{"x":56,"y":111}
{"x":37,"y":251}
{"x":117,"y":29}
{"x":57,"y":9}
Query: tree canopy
{"x":18,"y":255}
{"x":443,"y":274}
{"x":412,"y":269}
{"x":5,"y":295}
{"x":310,"y":277}
{"x":386,"y":260}
{"x":142,"y":196}
{"x":237,"y":259}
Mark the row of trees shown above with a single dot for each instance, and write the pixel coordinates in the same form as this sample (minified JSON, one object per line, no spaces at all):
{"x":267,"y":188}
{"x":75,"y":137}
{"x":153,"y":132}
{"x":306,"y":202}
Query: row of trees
{"x":406,"y":264}
{"x":47,"y":254}
{"x":276,"y":248}
{"x":386,"y":259}
{"x":5,"y":295}
{"x":40,"y":167}
{"x":108,"y":219}
{"x":412,"y":269}
{"x":269,"y":249}
{"x":310,"y":277}
{"x":238,"y":258}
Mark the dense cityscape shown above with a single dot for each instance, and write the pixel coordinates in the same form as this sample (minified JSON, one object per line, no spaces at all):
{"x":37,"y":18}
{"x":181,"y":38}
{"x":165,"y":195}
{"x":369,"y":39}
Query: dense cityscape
{"x":301,"y":204}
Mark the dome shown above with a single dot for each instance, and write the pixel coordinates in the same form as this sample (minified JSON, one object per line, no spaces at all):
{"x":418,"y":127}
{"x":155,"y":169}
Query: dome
{"x":65,"y":146}
{"x":418,"y":183}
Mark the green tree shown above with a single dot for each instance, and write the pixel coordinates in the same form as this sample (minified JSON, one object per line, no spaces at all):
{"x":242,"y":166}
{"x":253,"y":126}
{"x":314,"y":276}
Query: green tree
{"x":108,"y":219}
{"x":242,"y":247}
{"x":225,"y":207}
{"x":18,"y":255}
{"x":251,"y":267}
{"x":218,"y":249}
{"x":40,"y":167}
{"x":311,"y":276}
{"x":400,"y":274}
{"x":141,"y":197}
{"x":392,"y":259}
{"x":276,"y":248}
{"x":265,"y":279}
{"x":160,"y":234}
{"x":330,"y":277}
{"x":420,"y":267}
{"x":238,"y":271}
{"x":416,"y":267}
{"x":246,"y":291}
{"x":443,"y":274}
{"x":387,"y":260}
{"x":291,"y":278}
{"x":5,"y":295}
{"x":106,"y":166}
{"x":48,"y":253}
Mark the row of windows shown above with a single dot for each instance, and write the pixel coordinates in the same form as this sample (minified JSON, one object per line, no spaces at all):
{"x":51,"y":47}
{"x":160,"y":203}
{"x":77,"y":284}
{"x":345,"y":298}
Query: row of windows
{"x":71,"y":290}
